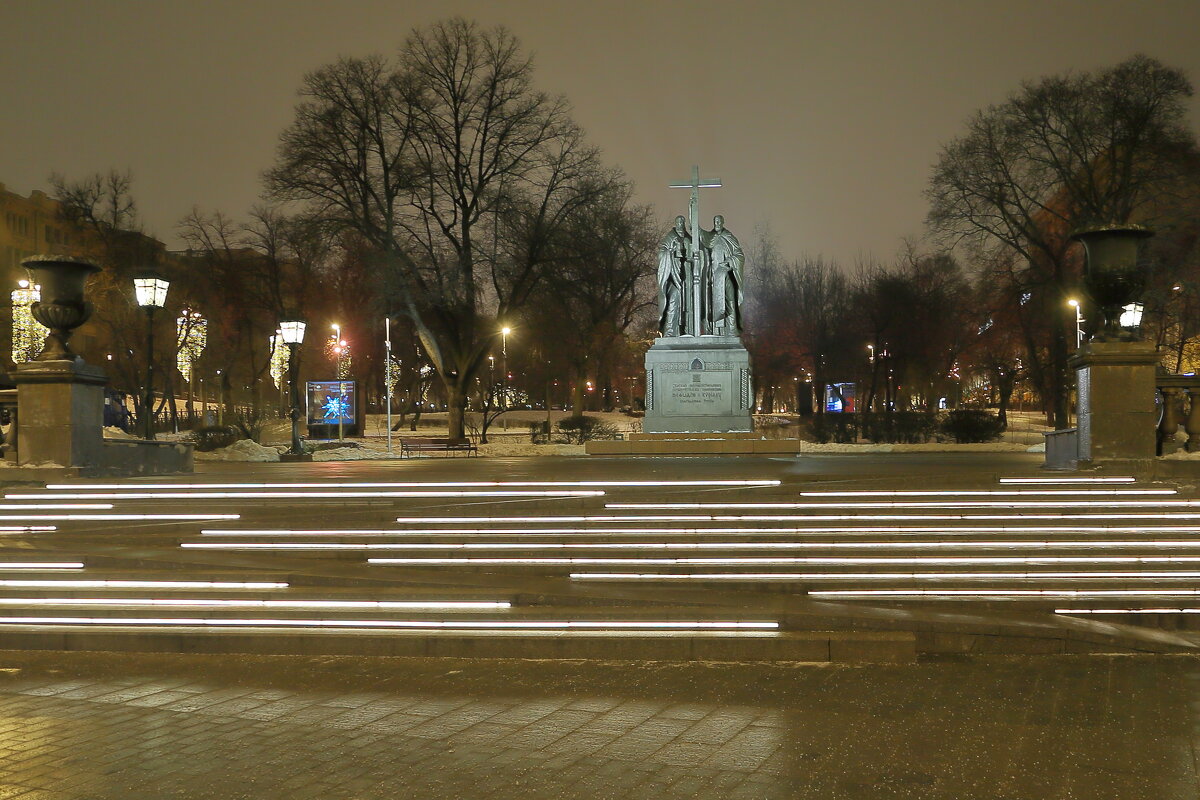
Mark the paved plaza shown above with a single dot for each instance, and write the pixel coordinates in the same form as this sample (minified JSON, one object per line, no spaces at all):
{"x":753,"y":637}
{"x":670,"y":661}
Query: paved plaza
{"x":970,"y":713}
{"x":100,"y":726}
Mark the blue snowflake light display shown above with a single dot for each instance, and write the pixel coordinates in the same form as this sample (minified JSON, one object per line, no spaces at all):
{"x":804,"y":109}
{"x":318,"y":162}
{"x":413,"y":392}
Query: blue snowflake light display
{"x":335,"y":408}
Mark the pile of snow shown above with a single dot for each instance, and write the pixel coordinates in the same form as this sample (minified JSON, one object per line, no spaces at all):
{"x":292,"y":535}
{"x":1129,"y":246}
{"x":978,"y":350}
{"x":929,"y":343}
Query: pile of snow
{"x":524,"y":447}
{"x":928,"y":447}
{"x":1183,"y":455}
{"x":113,"y":432}
{"x":1037,"y":448}
{"x":354,"y":453}
{"x":242,"y":450}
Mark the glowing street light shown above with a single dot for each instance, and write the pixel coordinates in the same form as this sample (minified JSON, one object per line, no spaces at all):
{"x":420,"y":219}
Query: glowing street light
{"x":151,"y":291}
{"x":1073,"y":303}
{"x":292,"y":333}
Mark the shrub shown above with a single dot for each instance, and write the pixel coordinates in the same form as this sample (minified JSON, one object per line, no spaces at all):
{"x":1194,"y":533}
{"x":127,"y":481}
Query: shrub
{"x":899,"y":427}
{"x":971,"y":425}
{"x":840,"y":428}
{"x":577,"y":430}
{"x":214,"y":437}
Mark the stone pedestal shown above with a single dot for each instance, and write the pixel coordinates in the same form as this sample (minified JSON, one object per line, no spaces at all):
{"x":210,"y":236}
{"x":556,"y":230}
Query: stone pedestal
{"x":698,"y":384}
{"x":60,"y":413}
{"x":1117,"y":415}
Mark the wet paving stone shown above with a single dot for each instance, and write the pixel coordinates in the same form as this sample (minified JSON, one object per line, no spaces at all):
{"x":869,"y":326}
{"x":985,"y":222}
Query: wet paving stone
{"x":91,"y":726}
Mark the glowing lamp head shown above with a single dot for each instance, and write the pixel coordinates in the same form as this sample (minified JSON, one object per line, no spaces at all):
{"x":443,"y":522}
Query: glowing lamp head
{"x":1131,"y":315}
{"x":292,"y":331}
{"x":506,"y":330}
{"x":1073,"y":303}
{"x":151,"y":289}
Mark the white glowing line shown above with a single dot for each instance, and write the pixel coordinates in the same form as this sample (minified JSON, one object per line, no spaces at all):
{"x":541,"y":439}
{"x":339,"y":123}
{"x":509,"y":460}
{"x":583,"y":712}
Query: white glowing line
{"x":493,"y":625}
{"x":27,"y":528}
{"x":373,"y":533}
{"x":214,"y":603}
{"x":830,"y":561}
{"x":55,"y":506}
{"x":305,"y":494}
{"x":992,"y":493}
{"x":41,"y":565}
{"x":118,"y":517}
{"x":405,"y":484}
{"x":921,"y":504}
{"x":1068,"y":480}
{"x":792,"y":517}
{"x":131,"y":584}
{"x":873,"y":576}
{"x":1127,"y":611}
{"x":1034,"y":593}
{"x":540,"y":532}
{"x":1023,"y":544}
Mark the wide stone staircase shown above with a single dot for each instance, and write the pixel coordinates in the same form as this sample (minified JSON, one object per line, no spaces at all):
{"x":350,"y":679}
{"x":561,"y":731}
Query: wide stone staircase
{"x":755,"y":569}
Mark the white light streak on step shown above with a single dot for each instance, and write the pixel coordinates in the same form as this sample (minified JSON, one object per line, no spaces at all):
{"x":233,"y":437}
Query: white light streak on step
{"x":196,"y":602}
{"x":992,"y":493}
{"x":1122,"y":479}
{"x":413,"y":484}
{"x":986,"y":544}
{"x":308,"y":495}
{"x":1069,"y":611}
{"x":917,"y":504}
{"x":797,"y":517}
{"x":415,"y":625}
{"x":118,"y":517}
{"x":477,"y":532}
{"x":55,"y":506}
{"x":117,"y":583}
{"x":830,"y":561}
{"x":12,"y":565}
{"x":877,"y":576}
{"x":991,"y":594}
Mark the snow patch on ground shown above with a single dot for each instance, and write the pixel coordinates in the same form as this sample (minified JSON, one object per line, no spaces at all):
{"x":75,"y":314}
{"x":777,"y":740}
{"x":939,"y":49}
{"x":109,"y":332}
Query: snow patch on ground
{"x":516,"y":447}
{"x":243,"y":450}
{"x":112,"y":432}
{"x":1183,"y":455}
{"x":928,"y":447}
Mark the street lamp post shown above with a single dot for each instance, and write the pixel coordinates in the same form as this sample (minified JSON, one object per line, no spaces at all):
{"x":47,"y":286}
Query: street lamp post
{"x":292,"y":332}
{"x":151,"y":291}
{"x":504,"y":332}
{"x":338,"y":346}
{"x":1073,"y":303}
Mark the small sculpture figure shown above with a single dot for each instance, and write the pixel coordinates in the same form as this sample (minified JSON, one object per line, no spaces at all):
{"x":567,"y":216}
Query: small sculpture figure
{"x":726,"y":293}
{"x":673,"y":253}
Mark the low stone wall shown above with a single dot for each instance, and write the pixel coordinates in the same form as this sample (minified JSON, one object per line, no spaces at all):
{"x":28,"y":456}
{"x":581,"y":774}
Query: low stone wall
{"x":132,"y":457}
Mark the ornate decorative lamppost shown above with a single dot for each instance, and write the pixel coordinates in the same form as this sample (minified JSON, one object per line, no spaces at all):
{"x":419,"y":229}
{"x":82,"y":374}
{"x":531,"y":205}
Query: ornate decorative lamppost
{"x":151,"y":291}
{"x":62,"y":308}
{"x":1114,"y":279}
{"x":292,"y":333}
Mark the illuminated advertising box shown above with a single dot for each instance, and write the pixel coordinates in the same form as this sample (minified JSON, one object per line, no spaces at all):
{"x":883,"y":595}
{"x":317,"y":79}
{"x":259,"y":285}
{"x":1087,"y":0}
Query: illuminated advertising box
{"x":331,"y":403}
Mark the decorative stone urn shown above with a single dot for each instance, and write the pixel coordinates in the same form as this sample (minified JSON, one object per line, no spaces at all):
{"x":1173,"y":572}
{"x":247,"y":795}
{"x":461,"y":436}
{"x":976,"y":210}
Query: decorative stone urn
{"x":62,"y":308}
{"x":1113,"y":277}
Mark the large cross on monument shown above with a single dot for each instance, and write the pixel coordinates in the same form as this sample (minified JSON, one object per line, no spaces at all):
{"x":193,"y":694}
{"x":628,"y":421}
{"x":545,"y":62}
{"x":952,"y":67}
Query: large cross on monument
{"x":693,"y":277}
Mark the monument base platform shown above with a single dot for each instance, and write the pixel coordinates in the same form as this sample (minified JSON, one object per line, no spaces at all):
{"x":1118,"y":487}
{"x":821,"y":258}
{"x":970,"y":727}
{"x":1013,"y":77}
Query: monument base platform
{"x":698,"y":384}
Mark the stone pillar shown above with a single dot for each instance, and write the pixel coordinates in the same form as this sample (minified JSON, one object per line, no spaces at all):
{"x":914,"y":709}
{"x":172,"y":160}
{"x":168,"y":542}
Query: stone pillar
{"x":60,"y":408}
{"x":1192,"y":425}
{"x":1117,"y":414}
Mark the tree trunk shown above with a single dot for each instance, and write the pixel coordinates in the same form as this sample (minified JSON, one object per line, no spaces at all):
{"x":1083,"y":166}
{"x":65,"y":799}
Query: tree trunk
{"x":456,"y":404}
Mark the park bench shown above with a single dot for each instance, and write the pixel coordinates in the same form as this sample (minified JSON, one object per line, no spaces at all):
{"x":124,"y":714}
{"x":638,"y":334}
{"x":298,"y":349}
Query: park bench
{"x":412,"y":445}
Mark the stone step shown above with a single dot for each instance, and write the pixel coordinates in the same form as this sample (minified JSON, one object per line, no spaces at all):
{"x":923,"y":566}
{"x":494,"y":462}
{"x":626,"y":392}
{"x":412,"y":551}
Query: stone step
{"x":809,"y":646}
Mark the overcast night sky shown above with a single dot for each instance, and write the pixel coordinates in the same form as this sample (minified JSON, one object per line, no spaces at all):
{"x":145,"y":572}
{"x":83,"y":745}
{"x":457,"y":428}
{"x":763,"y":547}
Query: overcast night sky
{"x":822,"y":119}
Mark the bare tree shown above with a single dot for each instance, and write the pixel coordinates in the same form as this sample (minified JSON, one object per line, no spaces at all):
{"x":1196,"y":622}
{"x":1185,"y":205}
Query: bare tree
{"x":1062,"y":153}
{"x":454,"y":168}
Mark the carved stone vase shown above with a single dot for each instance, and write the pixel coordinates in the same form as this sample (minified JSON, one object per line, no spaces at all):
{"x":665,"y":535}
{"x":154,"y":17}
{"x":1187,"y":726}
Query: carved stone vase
{"x":62,"y":308}
{"x":1114,"y":278}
